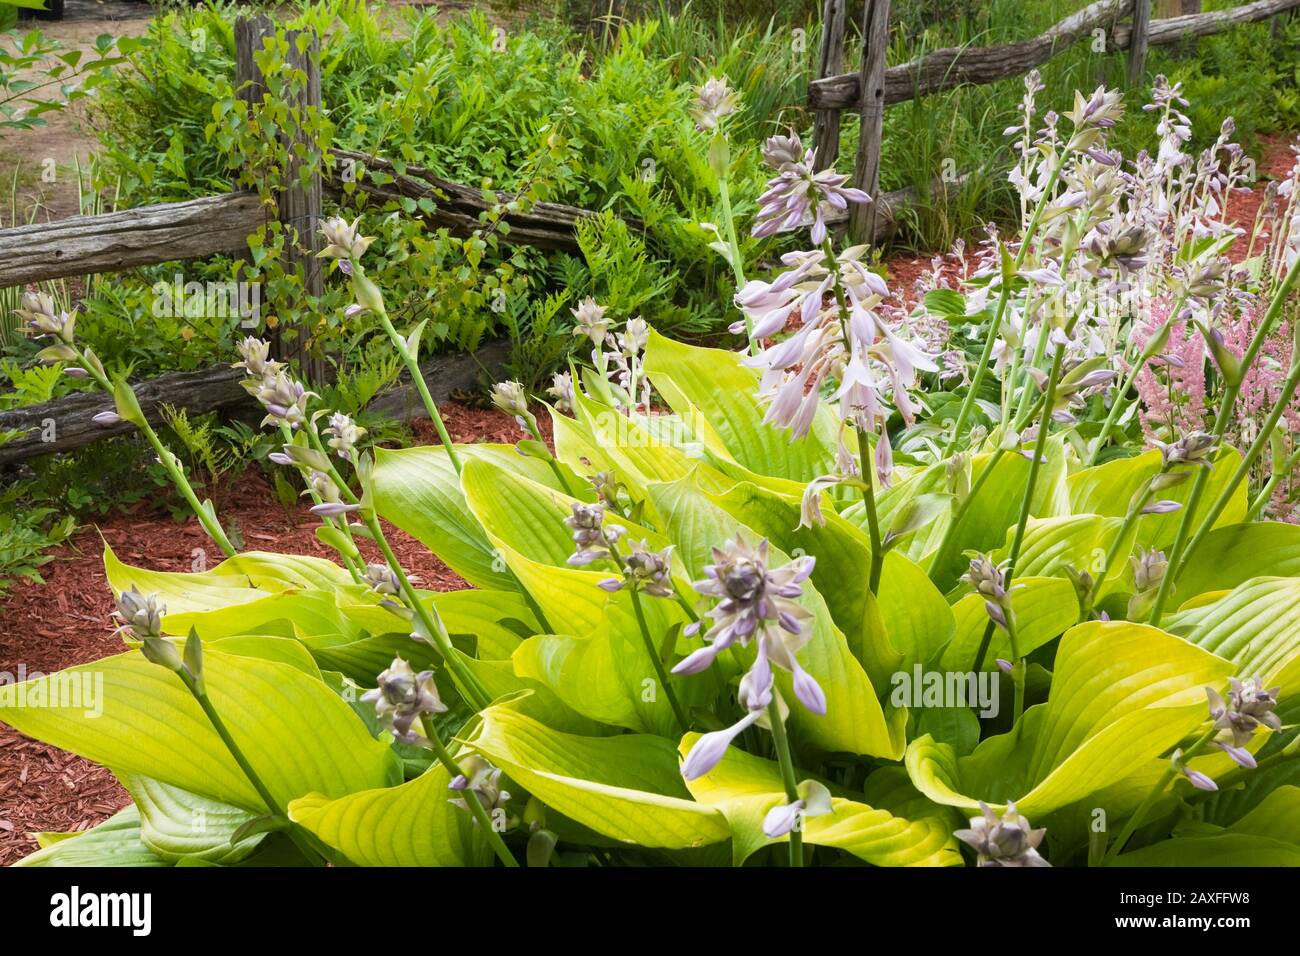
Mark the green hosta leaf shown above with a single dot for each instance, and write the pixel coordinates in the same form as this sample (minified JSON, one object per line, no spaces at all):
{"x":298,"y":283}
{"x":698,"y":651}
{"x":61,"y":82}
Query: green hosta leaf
{"x":745,"y":787}
{"x":410,"y":825}
{"x":494,"y":619}
{"x":627,"y":787}
{"x":296,"y":733}
{"x":115,"y":842}
{"x":1122,"y":695}
{"x":176,"y":824}
{"x":1109,"y":489}
{"x":1256,"y":626}
{"x":1232,"y":555}
{"x":854,"y":721}
{"x":283,"y":649}
{"x":917,"y":619}
{"x":418,"y":490}
{"x":1269,"y":835}
{"x":183,"y":593}
{"x":1052,"y":543}
{"x":1044,"y":608}
{"x":713,"y":383}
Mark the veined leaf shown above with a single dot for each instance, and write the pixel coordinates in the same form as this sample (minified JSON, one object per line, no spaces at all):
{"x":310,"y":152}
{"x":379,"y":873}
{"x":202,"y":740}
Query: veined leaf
{"x":627,"y":787}
{"x":1256,"y":626}
{"x":1044,"y":608}
{"x":713,"y":383}
{"x":178,"y":825}
{"x":1234,"y":554}
{"x":297,"y":735}
{"x":745,"y":787}
{"x":410,"y":825}
{"x":1122,"y":694}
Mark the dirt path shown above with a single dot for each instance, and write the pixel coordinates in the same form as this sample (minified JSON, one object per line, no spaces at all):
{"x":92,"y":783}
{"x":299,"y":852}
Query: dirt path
{"x":66,"y":137}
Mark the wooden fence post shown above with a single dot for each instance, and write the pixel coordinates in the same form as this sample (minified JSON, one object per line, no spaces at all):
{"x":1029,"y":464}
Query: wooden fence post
{"x":1137,"y":44}
{"x":826,"y":128}
{"x":871,"y":82}
{"x":298,"y":205}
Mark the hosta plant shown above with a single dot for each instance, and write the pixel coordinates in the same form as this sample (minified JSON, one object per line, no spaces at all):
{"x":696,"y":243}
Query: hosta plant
{"x":863,"y":590}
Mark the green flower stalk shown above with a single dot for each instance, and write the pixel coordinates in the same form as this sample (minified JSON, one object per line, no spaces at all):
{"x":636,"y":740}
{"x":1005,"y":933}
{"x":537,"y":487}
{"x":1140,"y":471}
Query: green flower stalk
{"x":1180,"y":550}
{"x":346,"y":245}
{"x":511,"y":398}
{"x":41,"y":318}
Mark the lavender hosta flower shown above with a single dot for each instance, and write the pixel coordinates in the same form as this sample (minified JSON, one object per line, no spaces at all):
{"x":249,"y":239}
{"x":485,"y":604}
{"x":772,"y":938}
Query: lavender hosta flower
{"x":876,"y":363}
{"x":344,"y":434}
{"x":1196,"y":778}
{"x":1003,"y":841}
{"x":480,"y":780}
{"x":1125,"y":250}
{"x":590,"y":534}
{"x":255,"y":358}
{"x":801,"y":196}
{"x":649,"y":572}
{"x":331,"y":500}
{"x":1248,"y":708}
{"x":1149,"y":567}
{"x":714,"y":100}
{"x":1093,"y":116}
{"x":141,"y":616}
{"x":402,"y":697}
{"x":284,"y":399}
{"x":106,"y":419}
{"x":781,"y":151}
{"x":561,"y":389}
{"x":756,"y":605}
{"x":343,"y":241}
{"x":1162,"y":507}
{"x":989,"y":581}
{"x":511,"y":398}
{"x":590,"y":320}
{"x":814,"y":801}
{"x":40,"y":316}
{"x":710,"y":748}
{"x":381,"y":579}
{"x":1195,"y":448}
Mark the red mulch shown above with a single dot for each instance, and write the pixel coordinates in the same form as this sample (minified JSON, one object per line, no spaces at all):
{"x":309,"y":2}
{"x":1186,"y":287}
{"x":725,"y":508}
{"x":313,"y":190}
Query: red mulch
{"x":68,"y":622}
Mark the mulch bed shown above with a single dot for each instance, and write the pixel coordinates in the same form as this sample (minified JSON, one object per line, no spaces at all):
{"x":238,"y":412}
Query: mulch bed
{"x":68,"y":622}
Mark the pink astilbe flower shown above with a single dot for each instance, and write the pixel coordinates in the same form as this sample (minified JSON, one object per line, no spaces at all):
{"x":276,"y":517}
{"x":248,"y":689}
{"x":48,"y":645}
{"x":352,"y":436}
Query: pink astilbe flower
{"x":1172,"y":385}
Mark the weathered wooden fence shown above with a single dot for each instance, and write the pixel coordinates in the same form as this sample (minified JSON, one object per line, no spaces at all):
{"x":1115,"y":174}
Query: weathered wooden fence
{"x":221,"y":225}
{"x":875,"y":86}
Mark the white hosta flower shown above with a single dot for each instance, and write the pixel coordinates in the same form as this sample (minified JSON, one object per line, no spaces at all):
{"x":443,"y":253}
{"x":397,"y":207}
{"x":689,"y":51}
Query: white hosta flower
{"x":714,"y":100}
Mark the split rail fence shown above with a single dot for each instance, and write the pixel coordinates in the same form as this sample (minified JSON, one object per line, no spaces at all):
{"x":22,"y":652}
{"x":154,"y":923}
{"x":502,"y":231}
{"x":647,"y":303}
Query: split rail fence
{"x":221,"y":225}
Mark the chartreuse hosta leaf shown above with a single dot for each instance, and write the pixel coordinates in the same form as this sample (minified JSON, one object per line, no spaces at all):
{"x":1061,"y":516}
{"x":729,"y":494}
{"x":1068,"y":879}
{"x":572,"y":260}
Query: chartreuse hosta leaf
{"x":714,"y":384}
{"x":745,"y":787}
{"x":855,"y":720}
{"x":115,"y":842}
{"x":1052,"y":543}
{"x":1256,"y":626}
{"x":1122,"y":694}
{"x":627,"y":788}
{"x":496,"y":620}
{"x":1269,"y":835}
{"x":1236,"y":553}
{"x":1109,"y":489}
{"x":418,"y":490}
{"x":410,"y":825}
{"x":176,"y":824}
{"x":298,"y":735}
{"x":524,"y":521}
{"x":1044,"y":608}
{"x":298,"y":597}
